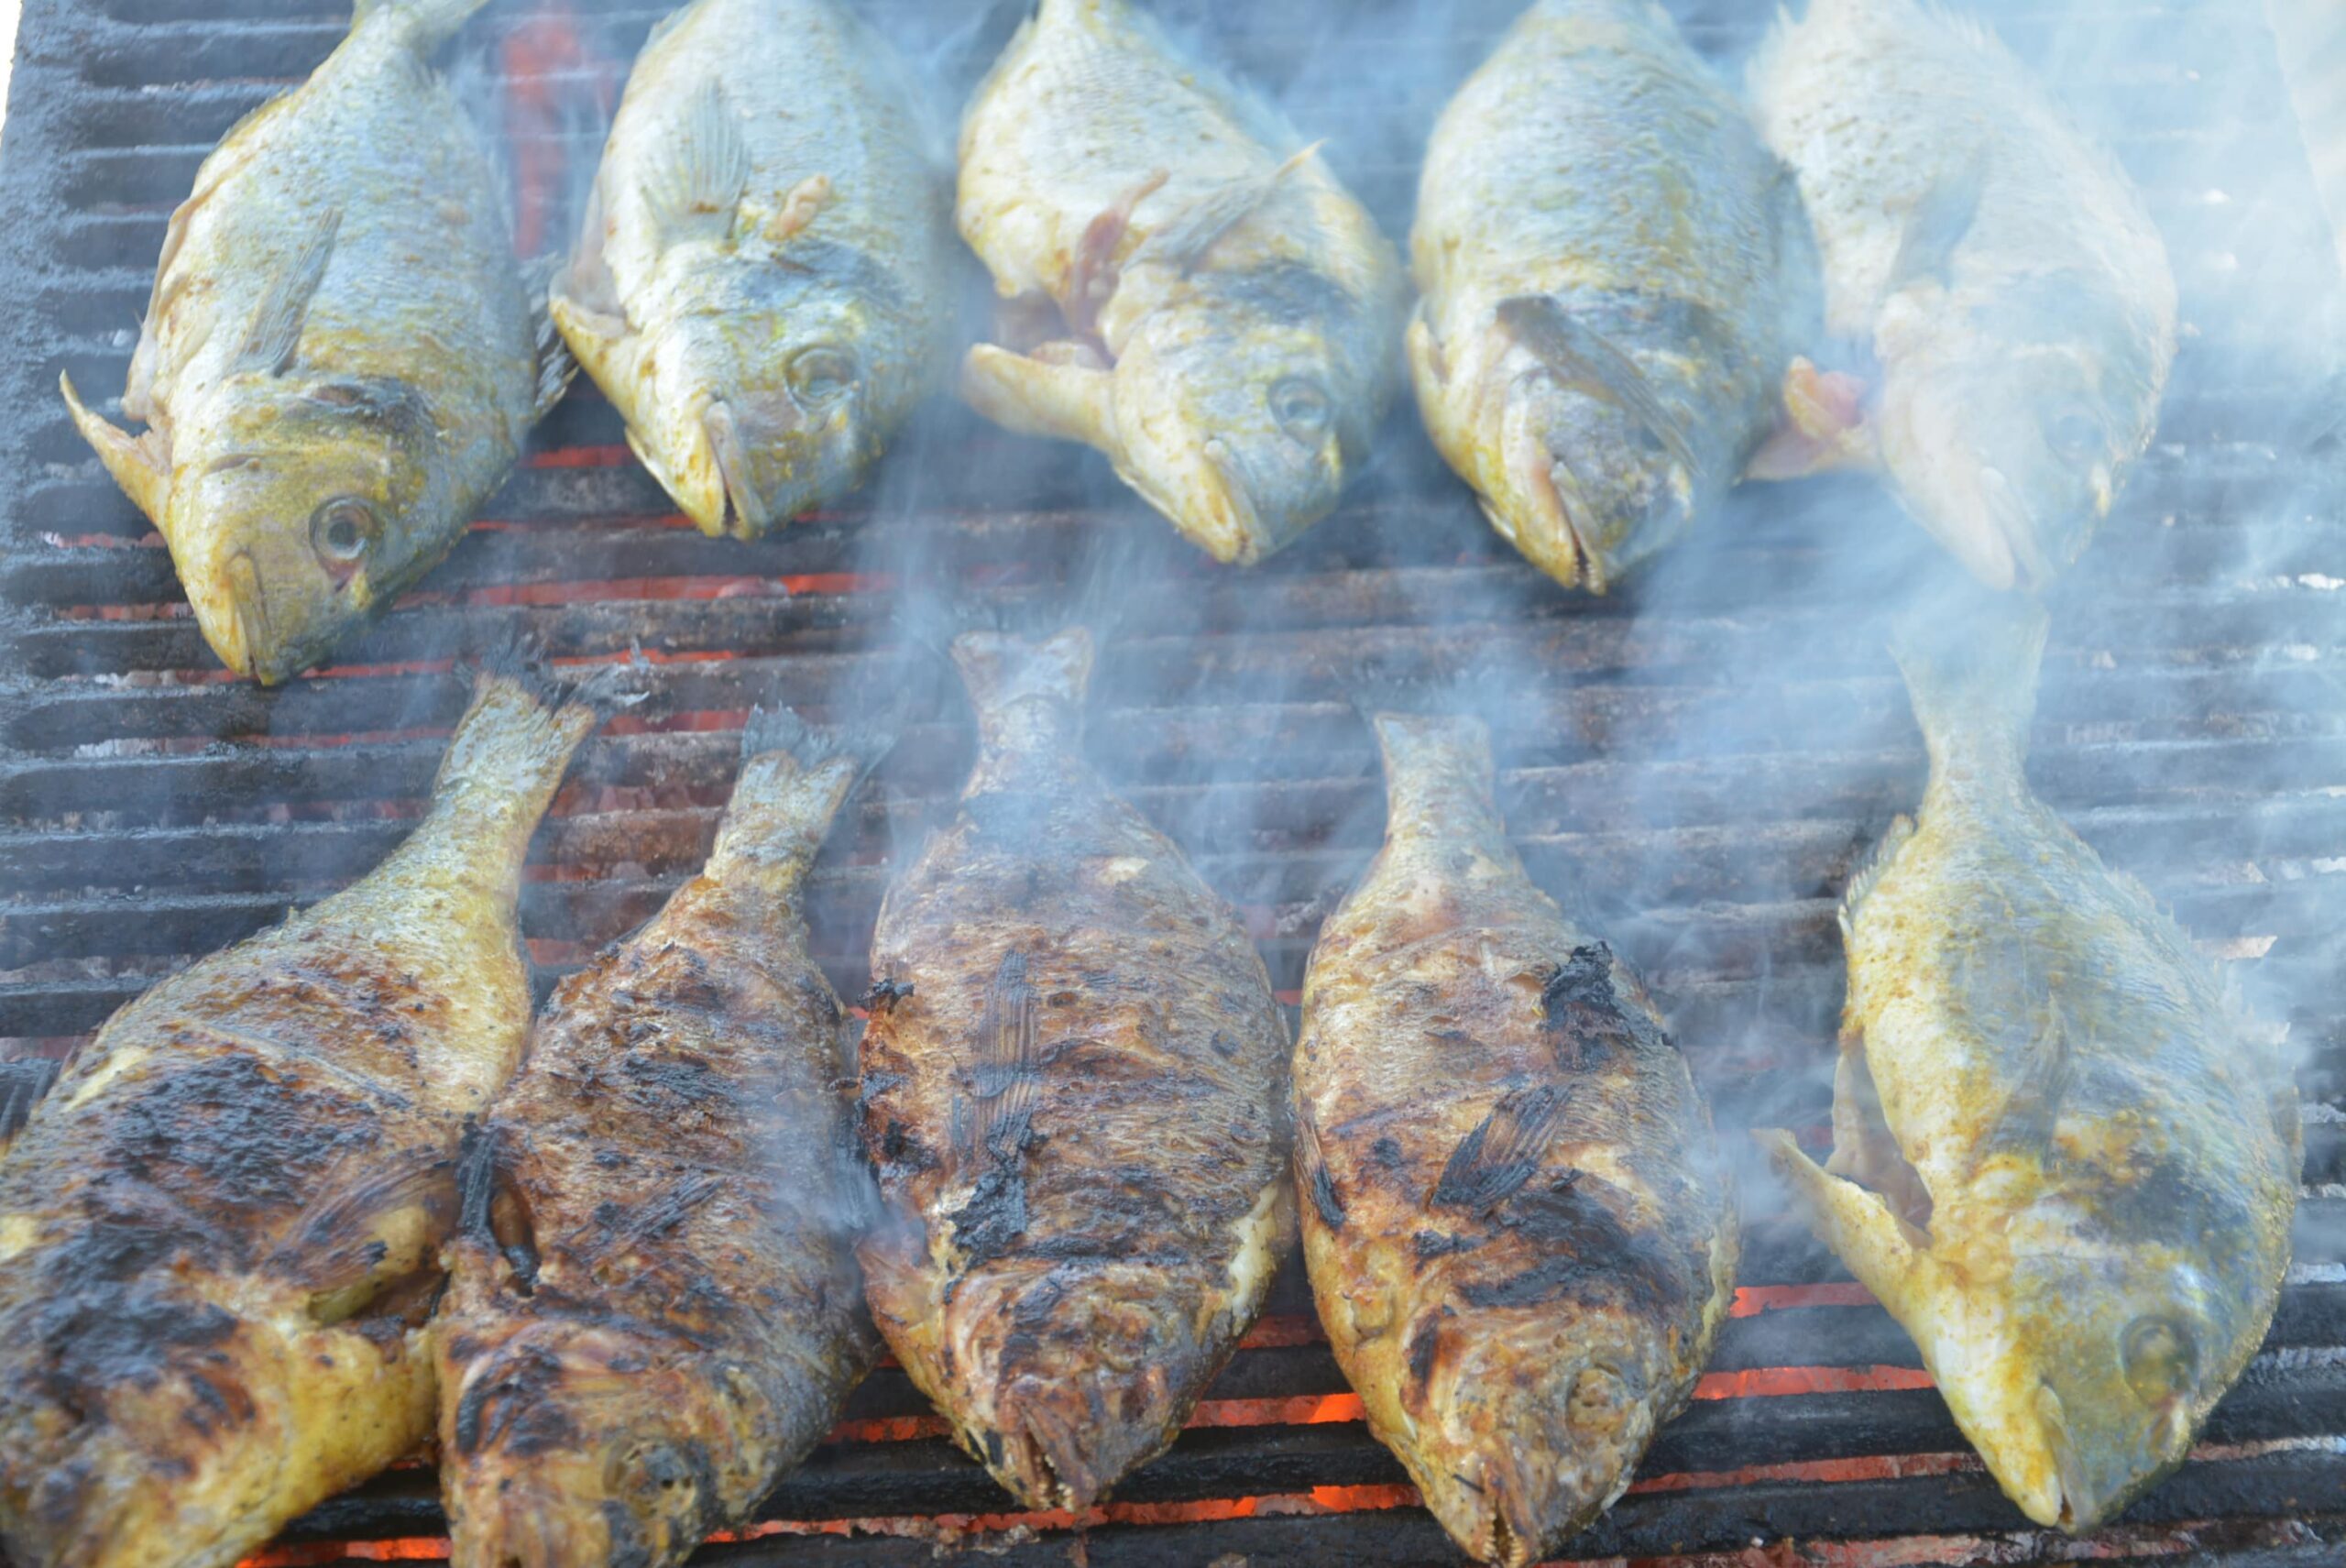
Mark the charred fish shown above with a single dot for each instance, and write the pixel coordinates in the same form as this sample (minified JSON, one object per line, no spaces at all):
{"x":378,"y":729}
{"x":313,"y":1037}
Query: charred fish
{"x":220,"y":1231}
{"x":655,"y":1310}
{"x":1226,"y":314}
{"x":1520,"y":1235}
{"x":340,"y":358}
{"x":1073,"y":1086}
{"x":1615,"y":272}
{"x":761,"y":284}
{"x":2064,"y":1160}
{"x":1996,"y":265}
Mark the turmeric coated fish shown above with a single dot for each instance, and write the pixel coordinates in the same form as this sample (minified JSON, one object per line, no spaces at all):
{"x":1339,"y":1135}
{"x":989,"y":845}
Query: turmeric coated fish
{"x":340,"y":358}
{"x":220,"y":1231}
{"x":1227,"y":314}
{"x":1521,"y":1237}
{"x":655,"y":1310}
{"x":1996,"y":266}
{"x":2064,"y":1160}
{"x":1615,"y":273}
{"x":1073,"y":1087}
{"x":762,"y":286}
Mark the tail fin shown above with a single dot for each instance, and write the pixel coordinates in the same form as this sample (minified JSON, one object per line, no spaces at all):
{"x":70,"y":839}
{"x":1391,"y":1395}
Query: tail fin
{"x":424,"y":25}
{"x":866,"y":739}
{"x":1002,"y":667}
{"x":514,"y":745}
{"x":1971,"y":665}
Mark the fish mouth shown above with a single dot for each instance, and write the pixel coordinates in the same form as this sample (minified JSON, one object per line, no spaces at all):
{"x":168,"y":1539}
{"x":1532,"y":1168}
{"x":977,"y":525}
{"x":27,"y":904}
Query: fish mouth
{"x":1232,"y":506}
{"x":749,"y":517}
{"x":2009,"y":552}
{"x":1551,"y":493}
{"x":248,"y":615}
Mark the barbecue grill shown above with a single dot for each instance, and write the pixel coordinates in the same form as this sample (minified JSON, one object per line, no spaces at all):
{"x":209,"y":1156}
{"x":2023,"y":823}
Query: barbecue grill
{"x":1701,"y":757}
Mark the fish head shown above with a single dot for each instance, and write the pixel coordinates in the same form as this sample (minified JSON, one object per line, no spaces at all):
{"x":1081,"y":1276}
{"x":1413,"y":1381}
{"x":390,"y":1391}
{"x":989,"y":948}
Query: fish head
{"x":2009,"y":434}
{"x":301,"y":506}
{"x":771,"y":390}
{"x":1240,"y":415}
{"x":1584,"y":485}
{"x":581,"y":1444}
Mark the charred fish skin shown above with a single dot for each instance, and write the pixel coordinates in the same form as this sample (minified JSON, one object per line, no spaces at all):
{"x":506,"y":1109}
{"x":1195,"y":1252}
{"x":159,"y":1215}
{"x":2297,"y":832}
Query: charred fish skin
{"x":2001,"y":267}
{"x":763,"y":286}
{"x":219,"y":1232}
{"x":1615,"y":272}
{"x":1521,"y":1237}
{"x":340,"y":358}
{"x":2078,"y":1159}
{"x":1231,"y":315}
{"x":654,"y":1309}
{"x":1074,"y":1089}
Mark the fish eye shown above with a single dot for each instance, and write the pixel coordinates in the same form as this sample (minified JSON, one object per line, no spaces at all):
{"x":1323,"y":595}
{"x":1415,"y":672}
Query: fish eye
{"x":2075,"y":437}
{"x":342,"y":530}
{"x":820,"y":374}
{"x":2160,"y":1359}
{"x":1301,"y":405}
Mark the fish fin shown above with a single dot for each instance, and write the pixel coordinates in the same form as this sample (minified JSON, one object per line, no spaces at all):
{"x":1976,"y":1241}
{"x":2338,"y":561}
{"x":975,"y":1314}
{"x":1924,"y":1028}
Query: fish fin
{"x":1002,"y":667}
{"x":601,"y":342}
{"x":1869,"y":872}
{"x":1007,"y":1081}
{"x":277,"y":327}
{"x":1864,"y":1149}
{"x":23,"y":1081}
{"x":556,"y":363}
{"x":425,"y":24}
{"x":865,"y":740}
{"x":2032,"y":1113}
{"x":694,"y":186}
{"x":1092,"y":272}
{"x":1491,"y":1164}
{"x":144,"y":474}
{"x":1035,"y":395}
{"x":1885,"y":1254}
{"x":1427,"y":361}
{"x":1584,"y":359}
{"x":1312,"y":1180}
{"x":801,"y":207}
{"x":1970,"y":660}
{"x":1823,"y":427}
{"x":1185,"y":242}
{"x":1937,"y":226}
{"x":341,"y":1250}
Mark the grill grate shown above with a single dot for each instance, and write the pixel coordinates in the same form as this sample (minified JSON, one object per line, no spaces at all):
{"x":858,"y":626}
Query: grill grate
{"x":1704,"y":758}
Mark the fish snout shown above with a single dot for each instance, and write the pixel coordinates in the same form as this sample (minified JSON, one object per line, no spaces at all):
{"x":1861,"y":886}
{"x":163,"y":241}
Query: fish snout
{"x":775,"y":461}
{"x":1065,"y":1440}
{"x":1588,"y":489}
{"x":542,"y":1517}
{"x":2098,"y":1468}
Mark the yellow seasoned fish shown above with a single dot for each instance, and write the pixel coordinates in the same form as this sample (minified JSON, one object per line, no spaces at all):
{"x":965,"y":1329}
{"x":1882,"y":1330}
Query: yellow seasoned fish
{"x":2064,"y":1160}
{"x":1998,"y":268}
{"x":1615,"y":272}
{"x":653,"y":1310}
{"x":340,"y":359}
{"x":1521,"y":1237}
{"x":1227,"y":316}
{"x":762,"y":286}
{"x":220,"y":1231}
{"x":1072,"y":1087}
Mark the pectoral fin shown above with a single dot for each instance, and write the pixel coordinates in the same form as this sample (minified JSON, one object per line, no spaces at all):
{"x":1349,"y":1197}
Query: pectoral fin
{"x":1939,"y":222}
{"x":1007,"y":1082}
{"x":140,"y":464}
{"x":1491,"y":1164}
{"x":1886,"y":1255}
{"x":276,"y":335}
{"x":1184,"y":242}
{"x":1035,"y":396}
{"x":693,"y":185}
{"x":1581,"y":358}
{"x":556,"y":363}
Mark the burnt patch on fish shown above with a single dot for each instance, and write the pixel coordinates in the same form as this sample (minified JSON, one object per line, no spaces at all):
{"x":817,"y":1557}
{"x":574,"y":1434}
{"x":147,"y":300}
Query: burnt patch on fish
{"x":1318,"y":1185}
{"x":1587,"y":1020}
{"x":1583,"y":1251}
{"x":885,"y":993}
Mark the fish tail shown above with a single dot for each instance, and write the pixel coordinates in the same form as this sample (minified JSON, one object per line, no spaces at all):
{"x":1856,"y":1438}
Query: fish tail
{"x":514,"y":745}
{"x":1972,"y":675}
{"x":423,"y":23}
{"x":794,"y":777}
{"x":1000,"y":668}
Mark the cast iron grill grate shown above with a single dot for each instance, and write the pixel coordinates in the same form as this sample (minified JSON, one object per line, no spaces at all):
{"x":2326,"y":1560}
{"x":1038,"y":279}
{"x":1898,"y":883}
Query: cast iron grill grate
{"x":1704,"y":758}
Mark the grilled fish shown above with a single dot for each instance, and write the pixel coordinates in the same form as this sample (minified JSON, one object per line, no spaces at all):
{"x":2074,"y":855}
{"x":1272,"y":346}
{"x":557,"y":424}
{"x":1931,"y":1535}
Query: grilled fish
{"x":340,"y":358}
{"x":1520,"y":1235}
{"x":655,"y":1310}
{"x":2062,"y":1158}
{"x":762,"y":285}
{"x":1998,"y":264}
{"x":1615,"y":273}
{"x":1227,"y":314}
{"x":1073,"y":1085}
{"x":219,"y":1232}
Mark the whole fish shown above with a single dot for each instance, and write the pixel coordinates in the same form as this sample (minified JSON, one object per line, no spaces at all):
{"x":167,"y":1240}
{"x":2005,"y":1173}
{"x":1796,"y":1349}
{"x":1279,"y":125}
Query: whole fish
{"x":1520,"y":1233}
{"x":762,"y":286}
{"x":1073,"y":1087}
{"x":654,"y":1311}
{"x":340,"y":358}
{"x":1615,"y":272}
{"x":220,"y":1231}
{"x":2062,"y":1158}
{"x":1226,"y":314}
{"x":1998,"y":264}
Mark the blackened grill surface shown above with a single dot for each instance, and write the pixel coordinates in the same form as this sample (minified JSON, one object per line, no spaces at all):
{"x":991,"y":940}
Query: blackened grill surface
{"x":1703,"y":759}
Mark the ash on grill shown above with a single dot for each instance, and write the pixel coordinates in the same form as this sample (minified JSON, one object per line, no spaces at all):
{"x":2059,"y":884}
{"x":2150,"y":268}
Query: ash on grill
{"x":1701,"y":756}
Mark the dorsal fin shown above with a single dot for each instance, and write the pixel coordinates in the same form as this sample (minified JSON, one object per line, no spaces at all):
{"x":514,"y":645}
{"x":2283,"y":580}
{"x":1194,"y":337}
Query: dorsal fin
{"x":1870,"y":869}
